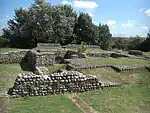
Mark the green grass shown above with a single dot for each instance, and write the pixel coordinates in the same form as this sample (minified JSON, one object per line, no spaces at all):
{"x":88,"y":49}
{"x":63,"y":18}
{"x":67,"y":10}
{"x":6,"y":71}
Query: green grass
{"x":2,"y":50}
{"x":147,"y":53}
{"x":110,"y":75}
{"x":48,"y":47}
{"x":56,"y":67}
{"x":131,"y":98}
{"x":121,"y":61}
{"x":45,"y":104}
{"x":7,"y":71}
{"x":94,"y":50}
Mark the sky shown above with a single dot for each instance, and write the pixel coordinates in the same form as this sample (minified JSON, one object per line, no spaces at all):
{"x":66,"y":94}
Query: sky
{"x":124,"y":17}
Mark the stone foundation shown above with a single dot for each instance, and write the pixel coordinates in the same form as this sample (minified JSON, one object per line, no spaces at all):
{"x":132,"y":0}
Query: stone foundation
{"x":12,"y":57}
{"x":34,"y":59}
{"x":66,"y":81}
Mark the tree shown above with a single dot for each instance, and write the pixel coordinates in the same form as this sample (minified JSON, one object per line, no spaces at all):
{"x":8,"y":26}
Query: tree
{"x":135,"y":42}
{"x":64,"y":21}
{"x":145,"y":45}
{"x":19,"y":30}
{"x":104,"y":36}
{"x":41,"y":14}
{"x":83,"y":28}
{"x":3,"y":42}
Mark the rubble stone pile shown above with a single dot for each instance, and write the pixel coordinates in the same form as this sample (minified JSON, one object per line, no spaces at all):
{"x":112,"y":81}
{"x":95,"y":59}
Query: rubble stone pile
{"x":66,"y":81}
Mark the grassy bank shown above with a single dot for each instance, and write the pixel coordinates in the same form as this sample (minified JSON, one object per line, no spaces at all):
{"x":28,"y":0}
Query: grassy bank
{"x":131,"y":98}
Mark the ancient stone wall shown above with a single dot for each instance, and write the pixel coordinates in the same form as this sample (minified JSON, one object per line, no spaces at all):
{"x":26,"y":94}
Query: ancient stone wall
{"x":12,"y":57}
{"x":48,"y":44}
{"x":72,"y":54}
{"x":66,"y":81}
{"x":76,"y":45}
{"x":35,"y":59}
{"x":100,"y":54}
{"x":78,"y":66}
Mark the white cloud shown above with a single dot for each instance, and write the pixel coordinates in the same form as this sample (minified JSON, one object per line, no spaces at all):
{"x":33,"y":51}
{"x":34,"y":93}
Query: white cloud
{"x":130,"y":23}
{"x":111,"y":22}
{"x":144,"y":27}
{"x":85,"y":4}
{"x":65,"y":2}
{"x":147,"y":12}
{"x":127,"y":25}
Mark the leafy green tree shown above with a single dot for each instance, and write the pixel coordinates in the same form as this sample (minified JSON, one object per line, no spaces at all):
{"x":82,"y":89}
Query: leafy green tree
{"x":104,"y":36}
{"x":64,"y":21}
{"x":3,"y":42}
{"x":145,"y":45}
{"x":83,"y":28}
{"x":41,"y":14}
{"x":20,"y":29}
{"x":135,"y":42}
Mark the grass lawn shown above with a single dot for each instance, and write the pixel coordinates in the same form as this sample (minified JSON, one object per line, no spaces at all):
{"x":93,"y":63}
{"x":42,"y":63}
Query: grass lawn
{"x":147,"y":53}
{"x":110,"y":75}
{"x":2,"y":50}
{"x":131,"y":98}
{"x":94,"y":50}
{"x":8,"y":71}
{"x":48,"y":47}
{"x":45,"y":104}
{"x":121,"y":61}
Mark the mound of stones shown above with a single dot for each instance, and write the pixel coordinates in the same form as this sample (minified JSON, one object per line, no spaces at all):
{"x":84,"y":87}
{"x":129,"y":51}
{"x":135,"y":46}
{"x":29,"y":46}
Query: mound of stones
{"x":66,"y":81}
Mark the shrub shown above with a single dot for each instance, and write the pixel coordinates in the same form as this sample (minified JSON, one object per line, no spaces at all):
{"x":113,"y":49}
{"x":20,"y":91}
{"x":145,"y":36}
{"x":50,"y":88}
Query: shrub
{"x":3,"y":42}
{"x":82,"y":48}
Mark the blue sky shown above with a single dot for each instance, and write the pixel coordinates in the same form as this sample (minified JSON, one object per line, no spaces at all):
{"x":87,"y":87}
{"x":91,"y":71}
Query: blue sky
{"x":124,"y":17}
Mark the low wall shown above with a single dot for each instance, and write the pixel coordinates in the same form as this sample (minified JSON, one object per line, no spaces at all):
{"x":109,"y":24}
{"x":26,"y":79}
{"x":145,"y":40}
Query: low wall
{"x":76,"y":45}
{"x":66,"y":81}
{"x":101,"y":54}
{"x":12,"y":57}
{"x":118,"y":68}
{"x":35,"y":59}
{"x":48,"y":44}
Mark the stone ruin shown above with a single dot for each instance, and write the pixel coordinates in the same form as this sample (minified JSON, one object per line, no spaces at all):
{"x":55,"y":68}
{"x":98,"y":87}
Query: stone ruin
{"x":65,"y":81}
{"x":12,"y":57}
{"x":36,"y":61}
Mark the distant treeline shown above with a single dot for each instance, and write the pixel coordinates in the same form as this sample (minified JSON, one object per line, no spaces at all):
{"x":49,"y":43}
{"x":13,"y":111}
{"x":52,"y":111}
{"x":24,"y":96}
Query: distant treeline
{"x":43,"y":22}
